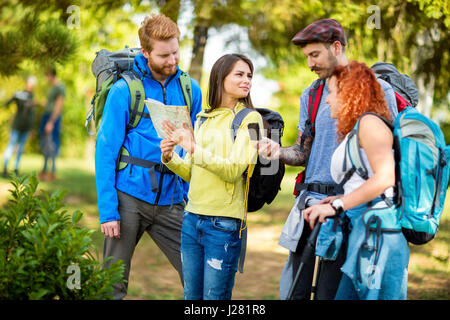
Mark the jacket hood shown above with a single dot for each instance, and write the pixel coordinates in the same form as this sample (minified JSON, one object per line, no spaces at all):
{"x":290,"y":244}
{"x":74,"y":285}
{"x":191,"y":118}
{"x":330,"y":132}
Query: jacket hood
{"x":220,"y":111}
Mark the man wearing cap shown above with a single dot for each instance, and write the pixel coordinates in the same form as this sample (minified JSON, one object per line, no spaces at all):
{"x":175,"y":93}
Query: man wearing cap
{"x":323,"y":43}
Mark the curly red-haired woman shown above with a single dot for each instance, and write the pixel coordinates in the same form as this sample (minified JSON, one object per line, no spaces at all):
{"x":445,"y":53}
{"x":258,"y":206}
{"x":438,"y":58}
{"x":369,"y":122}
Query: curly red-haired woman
{"x":376,"y":266}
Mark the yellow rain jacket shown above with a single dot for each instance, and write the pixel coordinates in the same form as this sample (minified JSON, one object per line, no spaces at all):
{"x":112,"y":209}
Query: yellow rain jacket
{"x":215,"y":169}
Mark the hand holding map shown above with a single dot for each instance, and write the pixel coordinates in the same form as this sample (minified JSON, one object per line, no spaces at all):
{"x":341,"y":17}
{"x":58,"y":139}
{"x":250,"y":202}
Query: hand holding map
{"x":182,"y":137}
{"x":177,"y":115}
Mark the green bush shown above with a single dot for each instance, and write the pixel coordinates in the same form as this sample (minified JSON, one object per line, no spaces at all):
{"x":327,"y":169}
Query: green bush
{"x":44,"y":254}
{"x":445,"y":127}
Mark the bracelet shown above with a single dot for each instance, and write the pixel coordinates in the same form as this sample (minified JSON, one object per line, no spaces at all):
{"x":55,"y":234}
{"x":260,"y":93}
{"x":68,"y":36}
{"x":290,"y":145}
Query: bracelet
{"x":335,"y":210}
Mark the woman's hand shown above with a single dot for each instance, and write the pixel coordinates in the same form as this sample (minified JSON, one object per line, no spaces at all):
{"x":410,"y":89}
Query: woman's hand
{"x":329,"y":199}
{"x":183,"y":137}
{"x":167,"y":147}
{"x":318,"y":211}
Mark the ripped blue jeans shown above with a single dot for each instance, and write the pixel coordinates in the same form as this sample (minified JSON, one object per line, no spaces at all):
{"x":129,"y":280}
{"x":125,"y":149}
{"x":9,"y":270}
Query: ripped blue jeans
{"x":210,"y":249}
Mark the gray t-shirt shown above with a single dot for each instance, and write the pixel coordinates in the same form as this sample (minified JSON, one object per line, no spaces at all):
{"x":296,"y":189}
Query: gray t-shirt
{"x":325,"y":140}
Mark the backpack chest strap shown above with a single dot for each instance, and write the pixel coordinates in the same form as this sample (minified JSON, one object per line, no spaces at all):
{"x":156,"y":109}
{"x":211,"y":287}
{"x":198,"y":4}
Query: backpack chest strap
{"x":124,"y":159}
{"x":145,"y":163}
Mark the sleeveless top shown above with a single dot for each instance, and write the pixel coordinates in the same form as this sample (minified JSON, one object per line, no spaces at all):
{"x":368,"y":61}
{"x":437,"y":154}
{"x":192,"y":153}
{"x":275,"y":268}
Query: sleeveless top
{"x":338,"y":169}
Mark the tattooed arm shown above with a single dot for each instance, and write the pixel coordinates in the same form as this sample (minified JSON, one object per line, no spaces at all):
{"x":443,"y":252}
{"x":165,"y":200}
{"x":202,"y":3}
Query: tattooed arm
{"x":289,"y":155}
{"x":293,"y":155}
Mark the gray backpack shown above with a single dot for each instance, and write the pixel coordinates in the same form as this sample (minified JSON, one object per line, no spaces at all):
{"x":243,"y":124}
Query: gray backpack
{"x":108,"y":67}
{"x":406,"y":93}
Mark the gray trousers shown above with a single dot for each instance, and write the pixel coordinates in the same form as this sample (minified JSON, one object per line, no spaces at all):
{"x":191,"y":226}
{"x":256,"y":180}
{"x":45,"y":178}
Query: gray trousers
{"x":137,"y":216}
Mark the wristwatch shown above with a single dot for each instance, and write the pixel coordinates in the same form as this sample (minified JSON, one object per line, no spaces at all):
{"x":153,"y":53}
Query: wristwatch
{"x":338,"y":206}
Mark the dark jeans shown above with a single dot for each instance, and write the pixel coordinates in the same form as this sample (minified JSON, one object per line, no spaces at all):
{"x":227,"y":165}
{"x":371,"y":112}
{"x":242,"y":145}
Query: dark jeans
{"x":50,"y":143}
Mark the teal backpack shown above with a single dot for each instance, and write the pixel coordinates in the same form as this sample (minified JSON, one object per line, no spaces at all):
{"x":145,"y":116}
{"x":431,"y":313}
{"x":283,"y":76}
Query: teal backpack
{"x":422,"y":169}
{"x":108,"y":67}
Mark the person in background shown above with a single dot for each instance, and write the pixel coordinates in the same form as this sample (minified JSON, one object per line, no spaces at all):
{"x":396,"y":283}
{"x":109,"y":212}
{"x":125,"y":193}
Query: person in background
{"x":50,"y":126}
{"x":22,"y":124}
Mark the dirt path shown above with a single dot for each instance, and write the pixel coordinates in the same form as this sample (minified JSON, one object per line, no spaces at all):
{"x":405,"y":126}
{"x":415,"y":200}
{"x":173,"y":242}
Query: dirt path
{"x":152,"y":276}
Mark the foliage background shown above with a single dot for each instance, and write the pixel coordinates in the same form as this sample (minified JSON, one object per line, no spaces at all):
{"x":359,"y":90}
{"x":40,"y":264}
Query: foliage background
{"x":411,"y":34}
{"x":153,"y":277}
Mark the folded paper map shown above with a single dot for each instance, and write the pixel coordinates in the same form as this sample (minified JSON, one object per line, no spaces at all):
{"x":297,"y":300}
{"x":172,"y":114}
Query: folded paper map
{"x":175,"y":114}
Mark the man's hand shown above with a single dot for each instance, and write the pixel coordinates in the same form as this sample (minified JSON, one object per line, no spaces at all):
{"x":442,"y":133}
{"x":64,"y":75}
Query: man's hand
{"x":293,"y":156}
{"x":111,"y":229}
{"x":167,"y":147}
{"x":268,"y":149}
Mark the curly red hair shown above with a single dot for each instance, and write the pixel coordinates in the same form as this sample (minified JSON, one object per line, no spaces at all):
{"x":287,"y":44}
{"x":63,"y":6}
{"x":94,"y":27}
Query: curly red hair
{"x":358,"y":91}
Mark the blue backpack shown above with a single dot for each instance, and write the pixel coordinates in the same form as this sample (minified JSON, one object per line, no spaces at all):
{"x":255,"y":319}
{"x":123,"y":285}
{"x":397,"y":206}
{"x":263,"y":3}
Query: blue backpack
{"x":422,"y":168}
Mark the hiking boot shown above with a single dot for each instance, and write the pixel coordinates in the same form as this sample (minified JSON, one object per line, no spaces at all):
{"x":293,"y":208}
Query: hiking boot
{"x":42,"y":176}
{"x":16,"y":172}
{"x":51,"y":176}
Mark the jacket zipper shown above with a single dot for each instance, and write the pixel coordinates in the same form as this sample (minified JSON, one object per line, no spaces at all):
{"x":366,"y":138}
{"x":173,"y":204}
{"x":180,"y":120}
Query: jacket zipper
{"x":161,"y":176}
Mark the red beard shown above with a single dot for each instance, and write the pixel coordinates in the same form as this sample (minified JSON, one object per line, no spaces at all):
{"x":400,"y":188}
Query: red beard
{"x":163,"y":70}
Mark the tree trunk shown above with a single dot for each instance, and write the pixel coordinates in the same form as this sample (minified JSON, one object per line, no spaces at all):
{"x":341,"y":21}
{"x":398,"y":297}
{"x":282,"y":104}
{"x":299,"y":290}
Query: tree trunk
{"x":198,"y":51}
{"x":426,"y":93}
{"x":381,"y":49}
{"x":425,"y":82}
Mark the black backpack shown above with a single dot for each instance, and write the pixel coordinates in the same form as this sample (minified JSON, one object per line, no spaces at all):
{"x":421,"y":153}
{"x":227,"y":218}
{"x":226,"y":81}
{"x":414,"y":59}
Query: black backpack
{"x":267,"y":175}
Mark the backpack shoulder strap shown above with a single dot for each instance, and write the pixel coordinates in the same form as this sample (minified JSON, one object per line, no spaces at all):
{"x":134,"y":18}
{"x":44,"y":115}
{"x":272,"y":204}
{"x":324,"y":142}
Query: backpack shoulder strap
{"x":353,"y":150}
{"x":201,"y":121}
{"x":314,"y":99}
{"x":237,"y":120}
{"x":186,"y":87}
{"x":137,"y":97}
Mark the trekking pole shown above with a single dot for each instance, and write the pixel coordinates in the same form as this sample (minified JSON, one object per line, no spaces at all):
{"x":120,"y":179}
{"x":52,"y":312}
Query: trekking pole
{"x":317,"y":265}
{"x":307,"y":252}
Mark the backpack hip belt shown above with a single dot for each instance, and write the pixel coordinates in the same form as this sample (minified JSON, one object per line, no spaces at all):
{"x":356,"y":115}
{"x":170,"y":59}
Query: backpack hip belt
{"x":328,"y":189}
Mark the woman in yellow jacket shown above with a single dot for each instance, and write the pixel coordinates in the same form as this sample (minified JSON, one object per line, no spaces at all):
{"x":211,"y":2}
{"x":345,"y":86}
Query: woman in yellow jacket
{"x":214,"y":166}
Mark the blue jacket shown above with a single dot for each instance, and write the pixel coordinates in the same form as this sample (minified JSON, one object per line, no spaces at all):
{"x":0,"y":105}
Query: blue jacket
{"x":141,"y":142}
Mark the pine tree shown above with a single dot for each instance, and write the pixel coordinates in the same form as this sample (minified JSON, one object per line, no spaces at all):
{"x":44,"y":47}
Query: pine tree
{"x":34,"y":31}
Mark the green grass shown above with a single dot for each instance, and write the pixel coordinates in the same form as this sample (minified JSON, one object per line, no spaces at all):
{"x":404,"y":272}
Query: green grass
{"x":152,"y":276}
